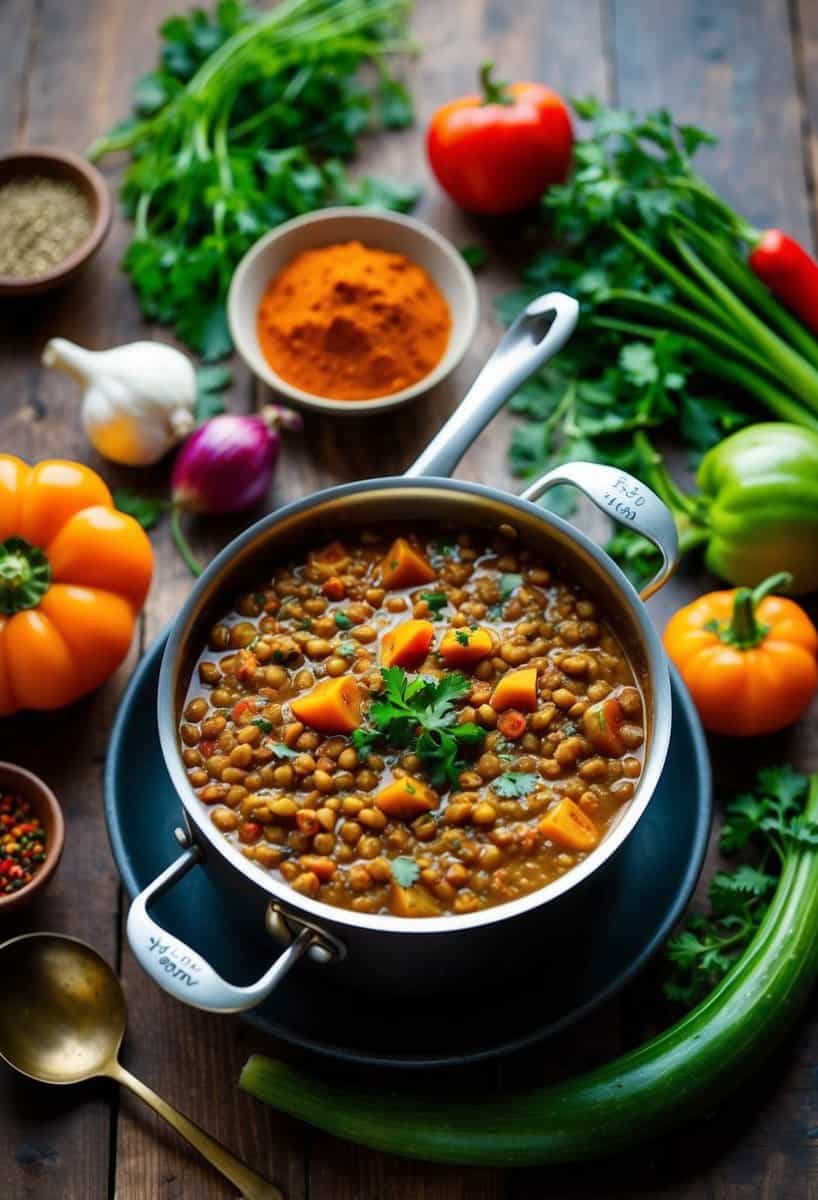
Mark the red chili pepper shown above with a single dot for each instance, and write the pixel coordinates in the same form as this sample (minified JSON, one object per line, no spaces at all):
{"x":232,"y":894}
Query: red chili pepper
{"x":789,"y":272}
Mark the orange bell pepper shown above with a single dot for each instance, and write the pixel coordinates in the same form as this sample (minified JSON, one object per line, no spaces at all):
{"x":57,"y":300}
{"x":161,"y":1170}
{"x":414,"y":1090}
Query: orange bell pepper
{"x":333,"y":706}
{"x":74,"y":573}
{"x":407,"y":644}
{"x":748,"y":658}
{"x":405,"y":567}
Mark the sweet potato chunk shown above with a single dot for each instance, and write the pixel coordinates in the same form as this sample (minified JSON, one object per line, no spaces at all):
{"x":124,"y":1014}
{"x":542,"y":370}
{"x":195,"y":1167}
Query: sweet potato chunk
{"x":568,"y":827}
{"x":405,"y":798}
{"x":407,"y":644}
{"x":464,"y":647}
{"x":601,"y":724}
{"x":330,"y":559}
{"x":411,"y":902}
{"x":333,"y":706}
{"x":405,"y":567}
{"x":517,"y":689}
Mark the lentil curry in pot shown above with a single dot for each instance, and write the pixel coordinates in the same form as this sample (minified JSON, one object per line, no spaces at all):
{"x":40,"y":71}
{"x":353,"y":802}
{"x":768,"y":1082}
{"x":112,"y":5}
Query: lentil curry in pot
{"x":414,"y":724}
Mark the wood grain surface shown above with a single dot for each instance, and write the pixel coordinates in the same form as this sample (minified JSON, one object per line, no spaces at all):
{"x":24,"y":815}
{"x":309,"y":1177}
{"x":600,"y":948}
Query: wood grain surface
{"x":747,"y":69}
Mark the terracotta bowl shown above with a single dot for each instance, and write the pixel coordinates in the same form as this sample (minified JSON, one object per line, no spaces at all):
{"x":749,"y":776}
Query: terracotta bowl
{"x":46,"y":808}
{"x":58,"y":164}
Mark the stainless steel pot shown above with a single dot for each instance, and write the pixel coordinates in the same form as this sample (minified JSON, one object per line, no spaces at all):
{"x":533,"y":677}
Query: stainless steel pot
{"x":384,"y":951}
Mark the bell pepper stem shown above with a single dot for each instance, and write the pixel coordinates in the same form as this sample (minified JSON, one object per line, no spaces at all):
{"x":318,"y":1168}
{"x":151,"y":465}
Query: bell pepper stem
{"x":181,"y":543}
{"x":745,"y":630}
{"x":25,"y":575}
{"x":493,"y":92}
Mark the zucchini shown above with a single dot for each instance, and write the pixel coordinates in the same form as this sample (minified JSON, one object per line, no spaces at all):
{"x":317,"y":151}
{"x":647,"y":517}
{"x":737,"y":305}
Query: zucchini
{"x":688,"y":1069}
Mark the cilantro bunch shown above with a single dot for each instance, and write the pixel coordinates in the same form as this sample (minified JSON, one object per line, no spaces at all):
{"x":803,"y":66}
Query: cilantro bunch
{"x":420,"y":712}
{"x":246,"y":123}
{"x":766,"y":822}
{"x":676,"y":334}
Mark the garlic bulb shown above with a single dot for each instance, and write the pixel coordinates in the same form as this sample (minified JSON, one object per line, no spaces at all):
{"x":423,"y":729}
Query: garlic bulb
{"x":138,"y":398}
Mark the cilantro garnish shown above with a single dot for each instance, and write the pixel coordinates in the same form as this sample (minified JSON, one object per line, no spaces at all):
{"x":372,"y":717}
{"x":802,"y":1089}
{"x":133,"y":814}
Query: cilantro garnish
{"x":264,"y":725}
{"x":347,"y":649}
{"x":342,"y":620}
{"x":515,"y":783}
{"x":462,"y":636}
{"x":435,"y":600}
{"x":404,"y":871}
{"x":766,"y":820}
{"x":420,"y":712}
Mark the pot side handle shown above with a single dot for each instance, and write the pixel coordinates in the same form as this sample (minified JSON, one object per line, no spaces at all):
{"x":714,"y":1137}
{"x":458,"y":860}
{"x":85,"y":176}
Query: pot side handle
{"x":540,"y":330}
{"x":625,"y":499}
{"x":182,"y":972}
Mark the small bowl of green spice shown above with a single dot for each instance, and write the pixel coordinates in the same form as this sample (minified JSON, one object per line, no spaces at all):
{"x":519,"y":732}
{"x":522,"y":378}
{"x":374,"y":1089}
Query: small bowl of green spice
{"x":55,"y":211}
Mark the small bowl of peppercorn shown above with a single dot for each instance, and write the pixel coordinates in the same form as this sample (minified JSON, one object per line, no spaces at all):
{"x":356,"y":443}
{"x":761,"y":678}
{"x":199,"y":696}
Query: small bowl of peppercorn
{"x":55,"y":212}
{"x":32,"y":835}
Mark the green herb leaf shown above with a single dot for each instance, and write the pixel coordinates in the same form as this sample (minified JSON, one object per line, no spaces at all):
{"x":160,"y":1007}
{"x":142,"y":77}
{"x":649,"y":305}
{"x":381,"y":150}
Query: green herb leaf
{"x":342,"y":620}
{"x":435,"y":600}
{"x":347,"y":649}
{"x":210,"y":382}
{"x":515,"y":783}
{"x":475,"y":256}
{"x":147,"y":510}
{"x":264,"y":725}
{"x":421,"y":712}
{"x":768,"y":818}
{"x":397,"y":110}
{"x":405,"y":870}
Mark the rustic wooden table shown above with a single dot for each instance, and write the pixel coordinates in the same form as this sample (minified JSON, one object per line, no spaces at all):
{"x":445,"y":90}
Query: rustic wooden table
{"x":747,"y":69}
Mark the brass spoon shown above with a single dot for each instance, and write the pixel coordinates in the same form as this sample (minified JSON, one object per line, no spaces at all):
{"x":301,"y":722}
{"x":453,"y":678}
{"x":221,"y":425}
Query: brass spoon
{"x":62,"y":1020}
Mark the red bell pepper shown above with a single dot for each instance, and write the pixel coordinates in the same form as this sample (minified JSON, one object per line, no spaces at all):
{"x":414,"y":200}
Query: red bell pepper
{"x":789,"y":272}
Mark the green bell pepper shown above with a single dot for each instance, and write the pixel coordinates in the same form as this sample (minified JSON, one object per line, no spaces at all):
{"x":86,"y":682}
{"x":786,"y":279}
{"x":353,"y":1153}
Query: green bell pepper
{"x":758,"y":496}
{"x":755,"y":514}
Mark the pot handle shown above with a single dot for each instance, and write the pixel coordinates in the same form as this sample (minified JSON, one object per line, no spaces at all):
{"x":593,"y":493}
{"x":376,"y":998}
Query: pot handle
{"x":184,"y":974}
{"x":540,"y":330}
{"x":625,"y":499}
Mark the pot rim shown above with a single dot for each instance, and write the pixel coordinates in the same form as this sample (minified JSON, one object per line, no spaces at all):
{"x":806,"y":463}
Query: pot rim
{"x":318,"y":910}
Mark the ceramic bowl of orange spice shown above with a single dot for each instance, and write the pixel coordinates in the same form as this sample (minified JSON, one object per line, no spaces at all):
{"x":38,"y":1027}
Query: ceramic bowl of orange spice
{"x":351,"y":310}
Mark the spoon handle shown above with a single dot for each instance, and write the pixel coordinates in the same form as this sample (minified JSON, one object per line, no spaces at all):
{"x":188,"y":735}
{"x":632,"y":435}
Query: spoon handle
{"x":251,"y":1185}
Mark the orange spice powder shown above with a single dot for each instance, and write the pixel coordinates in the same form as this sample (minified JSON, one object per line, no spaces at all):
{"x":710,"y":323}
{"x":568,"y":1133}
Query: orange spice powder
{"x":348,"y":322}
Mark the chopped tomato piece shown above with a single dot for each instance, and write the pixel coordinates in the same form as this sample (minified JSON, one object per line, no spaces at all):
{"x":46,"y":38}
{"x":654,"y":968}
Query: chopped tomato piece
{"x":333,"y":706}
{"x":464,"y":647}
{"x":405,"y":798}
{"x":407,"y":644}
{"x":568,"y":826}
{"x":242,"y":710}
{"x":334,"y":588}
{"x":246,"y":665}
{"x":512,"y":724}
{"x":405,"y":567}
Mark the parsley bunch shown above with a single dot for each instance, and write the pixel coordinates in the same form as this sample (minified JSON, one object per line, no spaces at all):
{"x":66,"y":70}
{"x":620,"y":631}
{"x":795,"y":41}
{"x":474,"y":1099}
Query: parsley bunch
{"x":768,"y":821}
{"x":246,"y":123}
{"x":420,"y":712}
{"x":676,"y":334}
